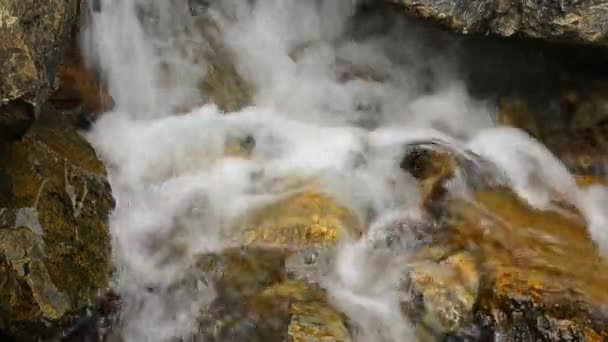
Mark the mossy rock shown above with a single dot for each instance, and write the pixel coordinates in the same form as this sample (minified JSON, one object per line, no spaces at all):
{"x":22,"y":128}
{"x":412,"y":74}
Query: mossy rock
{"x":54,"y":237}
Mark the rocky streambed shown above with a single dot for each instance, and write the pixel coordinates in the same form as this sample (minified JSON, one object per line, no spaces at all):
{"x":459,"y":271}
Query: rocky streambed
{"x":478,"y":261}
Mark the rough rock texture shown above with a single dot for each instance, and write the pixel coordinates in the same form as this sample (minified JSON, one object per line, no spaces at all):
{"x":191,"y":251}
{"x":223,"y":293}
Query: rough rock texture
{"x":32,"y":34}
{"x":581,"y":21}
{"x":54,"y":238}
{"x":263,"y":292}
{"x":508,"y":271}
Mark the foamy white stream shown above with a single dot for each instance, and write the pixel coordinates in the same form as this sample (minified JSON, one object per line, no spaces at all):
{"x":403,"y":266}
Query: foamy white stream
{"x":173,"y":183}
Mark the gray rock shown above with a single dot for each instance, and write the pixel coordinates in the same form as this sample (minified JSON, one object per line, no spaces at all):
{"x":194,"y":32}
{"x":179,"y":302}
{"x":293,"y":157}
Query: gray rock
{"x":572,"y":21}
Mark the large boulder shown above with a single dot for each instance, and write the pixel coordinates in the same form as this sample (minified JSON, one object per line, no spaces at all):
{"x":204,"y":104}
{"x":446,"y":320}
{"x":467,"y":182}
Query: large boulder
{"x":505,"y":270}
{"x":32,"y":35}
{"x":567,"y":21}
{"x":54,"y":236}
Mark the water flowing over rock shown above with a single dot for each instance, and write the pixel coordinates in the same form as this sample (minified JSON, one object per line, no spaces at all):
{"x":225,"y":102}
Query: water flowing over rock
{"x":265,"y":225}
{"x":54,"y":236}
{"x":564,"y":21}
{"x":32,"y":36}
{"x":508,"y":270}
{"x":580,"y":140}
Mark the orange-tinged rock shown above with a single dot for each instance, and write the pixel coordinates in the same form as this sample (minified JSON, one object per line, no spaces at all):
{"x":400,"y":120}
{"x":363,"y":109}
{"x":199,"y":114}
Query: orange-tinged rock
{"x":78,"y":85}
{"x":519,"y":272}
{"x":535,"y":260}
{"x":305,"y":219}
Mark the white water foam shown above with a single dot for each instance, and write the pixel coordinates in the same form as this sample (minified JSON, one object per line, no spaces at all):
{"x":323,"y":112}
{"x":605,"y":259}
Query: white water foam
{"x":175,"y":187}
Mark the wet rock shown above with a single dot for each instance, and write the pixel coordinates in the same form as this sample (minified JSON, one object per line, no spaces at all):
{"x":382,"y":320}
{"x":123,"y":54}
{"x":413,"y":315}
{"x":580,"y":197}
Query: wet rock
{"x":54,"y":238}
{"x":303,"y":220}
{"x":437,"y":165}
{"x":564,"y":21}
{"x":222,"y":83}
{"x":80,"y":90}
{"x":285,"y":311}
{"x":264,"y":292}
{"x":32,"y":35}
{"x":581,"y":142}
{"x":506,"y":271}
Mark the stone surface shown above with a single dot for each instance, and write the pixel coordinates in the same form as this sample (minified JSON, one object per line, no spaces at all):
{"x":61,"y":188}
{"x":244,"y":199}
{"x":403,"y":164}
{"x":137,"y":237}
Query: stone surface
{"x":32,"y":35}
{"x":565,"y":21}
{"x":508,"y":271}
{"x":304,"y":220}
{"x":222,"y":84}
{"x":263,"y":293}
{"x":54,"y":237}
{"x":79,"y":90}
{"x":580,"y":141}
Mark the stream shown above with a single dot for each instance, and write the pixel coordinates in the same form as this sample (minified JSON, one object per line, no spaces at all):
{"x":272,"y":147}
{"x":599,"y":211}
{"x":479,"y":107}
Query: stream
{"x":342,"y":146}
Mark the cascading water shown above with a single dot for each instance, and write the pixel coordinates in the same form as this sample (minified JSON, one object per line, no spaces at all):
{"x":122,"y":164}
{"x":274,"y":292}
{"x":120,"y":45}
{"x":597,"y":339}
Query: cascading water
{"x":176,"y":188}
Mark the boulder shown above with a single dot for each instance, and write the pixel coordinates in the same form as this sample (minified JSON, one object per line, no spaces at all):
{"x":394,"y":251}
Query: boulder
{"x":563,"y":21}
{"x":267,"y":288}
{"x":55,"y":201}
{"x":505,"y":270}
{"x":32,"y":35}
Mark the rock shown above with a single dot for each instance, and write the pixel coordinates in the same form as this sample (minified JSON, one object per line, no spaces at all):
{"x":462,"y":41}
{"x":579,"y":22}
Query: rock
{"x":285,"y":311}
{"x":264,"y":293}
{"x":54,"y":237}
{"x":80,"y":90}
{"x":574,"y":21}
{"x":32,"y":35}
{"x":303,"y":220}
{"x":435,"y":164}
{"x":222,"y":84}
{"x":506,"y":271}
{"x":581,"y":142}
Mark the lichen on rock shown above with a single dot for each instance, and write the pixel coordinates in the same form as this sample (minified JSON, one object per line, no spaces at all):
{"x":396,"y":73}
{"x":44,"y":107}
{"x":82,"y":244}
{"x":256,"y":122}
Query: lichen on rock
{"x":54,"y":241}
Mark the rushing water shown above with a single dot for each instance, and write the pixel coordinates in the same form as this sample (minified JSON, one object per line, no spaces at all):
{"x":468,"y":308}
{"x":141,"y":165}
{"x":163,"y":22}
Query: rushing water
{"x":174,"y":183}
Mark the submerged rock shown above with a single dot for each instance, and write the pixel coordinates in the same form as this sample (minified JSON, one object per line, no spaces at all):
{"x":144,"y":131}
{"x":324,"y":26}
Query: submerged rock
{"x":32,"y":35}
{"x":54,"y":236}
{"x":573,"y":21}
{"x":222,"y":84}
